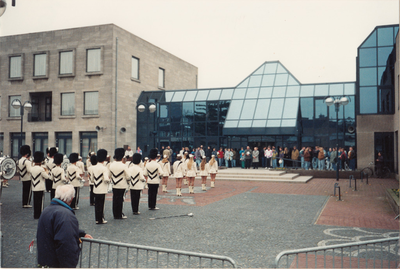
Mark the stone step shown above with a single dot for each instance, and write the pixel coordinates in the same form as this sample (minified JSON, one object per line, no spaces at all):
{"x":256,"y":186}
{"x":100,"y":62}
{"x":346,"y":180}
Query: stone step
{"x":258,"y":176}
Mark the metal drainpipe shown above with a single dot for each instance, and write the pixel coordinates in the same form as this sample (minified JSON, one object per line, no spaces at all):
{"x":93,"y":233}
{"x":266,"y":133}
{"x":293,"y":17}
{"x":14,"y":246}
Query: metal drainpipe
{"x":116,"y":90}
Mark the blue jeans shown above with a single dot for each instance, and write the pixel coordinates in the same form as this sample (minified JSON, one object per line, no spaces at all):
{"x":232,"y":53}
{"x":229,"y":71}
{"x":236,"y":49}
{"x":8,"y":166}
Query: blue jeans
{"x":198,"y":162}
{"x":302,"y":162}
{"x":315,"y":163}
{"x":321,"y":164}
{"x":226,"y":163}
{"x":220,"y":161}
{"x":274,"y":163}
{"x":306,"y":165}
{"x":282,"y":163}
{"x":233,"y":163}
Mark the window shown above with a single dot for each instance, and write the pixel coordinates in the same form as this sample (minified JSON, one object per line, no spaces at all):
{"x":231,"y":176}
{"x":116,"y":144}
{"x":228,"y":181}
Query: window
{"x":64,"y":143}
{"x":67,"y":104}
{"x":66,"y":63}
{"x":0,"y":107}
{"x":91,"y":103}
{"x":40,"y":65}
{"x":15,"y":67}
{"x":88,"y":143}
{"x":161,"y":78}
{"x":135,"y":68}
{"x":12,"y":111}
{"x":93,"y":60}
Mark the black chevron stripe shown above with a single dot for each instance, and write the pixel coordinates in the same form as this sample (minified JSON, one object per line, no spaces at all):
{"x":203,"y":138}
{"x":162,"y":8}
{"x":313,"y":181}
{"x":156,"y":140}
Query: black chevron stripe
{"x":35,"y":184}
{"x":133,"y":184}
{"x":152,"y":177}
{"x":151,"y":173}
{"x":34,"y":178}
{"x":97,"y":178}
{"x":133,"y":178}
{"x":115,"y":183}
{"x":96,"y":185}
{"x":23,"y":169}
{"x":116,"y":176}
{"x":57,"y":177}
{"x":22,"y":175}
{"x":72,"y":173}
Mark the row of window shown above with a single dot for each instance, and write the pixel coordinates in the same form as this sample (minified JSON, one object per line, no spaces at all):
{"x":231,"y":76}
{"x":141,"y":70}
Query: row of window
{"x":67,"y":65}
{"x":90,"y":102}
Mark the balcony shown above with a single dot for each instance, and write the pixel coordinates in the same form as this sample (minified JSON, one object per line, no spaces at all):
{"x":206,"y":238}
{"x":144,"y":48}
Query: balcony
{"x":39,"y":117}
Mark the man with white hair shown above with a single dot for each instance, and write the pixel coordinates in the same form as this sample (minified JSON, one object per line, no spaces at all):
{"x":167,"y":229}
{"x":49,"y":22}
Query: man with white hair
{"x":58,"y":234}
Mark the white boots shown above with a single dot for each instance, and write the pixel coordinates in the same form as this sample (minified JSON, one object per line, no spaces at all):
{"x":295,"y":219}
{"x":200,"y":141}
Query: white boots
{"x":178,"y":192}
{"x":191,"y":189}
{"x":212,"y":184}
{"x":185,"y":181}
{"x":164,"y":188}
{"x":203,"y":187}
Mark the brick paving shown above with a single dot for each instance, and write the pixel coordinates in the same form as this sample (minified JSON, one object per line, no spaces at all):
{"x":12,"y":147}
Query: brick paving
{"x":249,"y":221}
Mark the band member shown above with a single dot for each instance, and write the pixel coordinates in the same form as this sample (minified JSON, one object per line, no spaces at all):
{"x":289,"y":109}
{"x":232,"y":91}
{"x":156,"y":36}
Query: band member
{"x":136,"y":183}
{"x":74,"y":177}
{"x":178,"y":173}
{"x":88,"y":162}
{"x":81,"y":166}
{"x":39,"y":174}
{"x":49,"y":162}
{"x":204,"y":170}
{"x":143,"y":165}
{"x":93,"y":162}
{"x":166,"y":167}
{"x":24,"y":167}
{"x":191,"y":172}
{"x":153,"y":171}
{"x":120,"y":177}
{"x":100,"y":178}
{"x":57,"y":174}
{"x":213,"y":166}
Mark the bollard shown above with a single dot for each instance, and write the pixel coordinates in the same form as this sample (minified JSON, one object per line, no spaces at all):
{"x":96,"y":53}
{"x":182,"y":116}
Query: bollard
{"x":355,"y":182}
{"x":336,"y":186}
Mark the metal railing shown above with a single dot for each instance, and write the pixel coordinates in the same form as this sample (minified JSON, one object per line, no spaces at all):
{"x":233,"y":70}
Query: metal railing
{"x":381,"y":253}
{"x":105,"y":254}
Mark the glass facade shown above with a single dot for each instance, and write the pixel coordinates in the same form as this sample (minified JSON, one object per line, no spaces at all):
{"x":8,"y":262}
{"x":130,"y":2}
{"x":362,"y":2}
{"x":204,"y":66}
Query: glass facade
{"x":269,"y":107}
{"x":375,"y":71}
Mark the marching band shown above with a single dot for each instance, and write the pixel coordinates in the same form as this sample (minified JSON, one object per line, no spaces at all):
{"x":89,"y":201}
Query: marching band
{"x":127,"y":173}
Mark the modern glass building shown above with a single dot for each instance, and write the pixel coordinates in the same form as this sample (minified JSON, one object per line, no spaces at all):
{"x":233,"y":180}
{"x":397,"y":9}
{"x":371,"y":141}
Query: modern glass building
{"x":269,"y":107}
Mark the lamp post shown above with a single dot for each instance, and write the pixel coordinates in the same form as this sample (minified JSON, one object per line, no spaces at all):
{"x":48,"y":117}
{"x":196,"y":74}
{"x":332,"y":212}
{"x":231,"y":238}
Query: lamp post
{"x":337,"y":102}
{"x":152,"y":108}
{"x":16,"y":104}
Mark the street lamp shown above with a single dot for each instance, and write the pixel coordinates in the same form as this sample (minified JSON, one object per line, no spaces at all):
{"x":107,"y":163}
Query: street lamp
{"x":152,"y":108}
{"x":16,"y":104}
{"x":337,"y":102}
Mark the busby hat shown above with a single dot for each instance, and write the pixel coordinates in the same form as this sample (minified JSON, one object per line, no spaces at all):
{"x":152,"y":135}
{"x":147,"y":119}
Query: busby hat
{"x":101,"y":155}
{"x":48,"y":150}
{"x":153,"y":153}
{"x":58,"y":158}
{"x":52,"y":151}
{"x":119,"y":153}
{"x":93,"y":159}
{"x":73,"y":157}
{"x":25,"y":149}
{"x":38,"y":157}
{"x":136,"y":158}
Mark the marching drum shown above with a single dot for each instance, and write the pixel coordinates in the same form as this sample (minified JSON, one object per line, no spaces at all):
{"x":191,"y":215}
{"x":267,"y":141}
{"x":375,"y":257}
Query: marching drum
{"x":8,"y":167}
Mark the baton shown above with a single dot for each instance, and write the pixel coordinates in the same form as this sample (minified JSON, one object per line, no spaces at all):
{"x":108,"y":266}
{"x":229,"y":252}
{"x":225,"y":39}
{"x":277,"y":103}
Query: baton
{"x":185,"y":215}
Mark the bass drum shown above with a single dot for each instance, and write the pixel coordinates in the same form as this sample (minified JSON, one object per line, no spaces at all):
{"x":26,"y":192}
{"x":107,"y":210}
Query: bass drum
{"x":8,"y":167}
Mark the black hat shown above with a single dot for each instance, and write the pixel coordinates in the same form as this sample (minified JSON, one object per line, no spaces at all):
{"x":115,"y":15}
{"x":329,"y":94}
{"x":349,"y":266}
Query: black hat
{"x":119,"y":153}
{"x":38,"y":157}
{"x":93,"y":159}
{"x":136,"y":158}
{"x":101,"y":155}
{"x":73,"y":157}
{"x":58,"y":158}
{"x":25,"y":149}
{"x":153,"y":154}
{"x":47,"y":150}
{"x":52,"y":151}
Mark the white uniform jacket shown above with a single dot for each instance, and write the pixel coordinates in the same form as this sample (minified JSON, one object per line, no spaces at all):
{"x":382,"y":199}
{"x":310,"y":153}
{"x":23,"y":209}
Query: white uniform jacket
{"x":153,"y":171}
{"x":129,"y":164}
{"x":206,"y":170}
{"x":100,"y":178}
{"x":166,"y":167}
{"x":185,"y":167}
{"x":119,"y":175}
{"x":213,"y":168}
{"x":178,"y":169}
{"x":49,"y":162}
{"x":136,"y":181}
{"x":89,"y":171}
{"x":38,"y":177}
{"x":24,"y":166}
{"x":73,"y":175}
{"x":81,"y":166}
{"x":58,"y":177}
{"x":191,"y":171}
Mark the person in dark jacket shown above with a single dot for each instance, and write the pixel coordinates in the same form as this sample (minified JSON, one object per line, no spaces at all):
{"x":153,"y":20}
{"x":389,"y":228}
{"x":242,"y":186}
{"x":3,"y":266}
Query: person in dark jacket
{"x":58,"y":234}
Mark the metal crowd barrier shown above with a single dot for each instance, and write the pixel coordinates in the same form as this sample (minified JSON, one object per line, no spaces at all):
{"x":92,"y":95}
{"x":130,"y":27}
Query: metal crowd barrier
{"x":379,"y":253}
{"x":106,"y":254}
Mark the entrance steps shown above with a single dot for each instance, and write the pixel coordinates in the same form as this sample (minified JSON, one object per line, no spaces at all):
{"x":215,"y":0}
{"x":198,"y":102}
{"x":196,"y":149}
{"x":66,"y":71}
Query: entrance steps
{"x":261,"y":174}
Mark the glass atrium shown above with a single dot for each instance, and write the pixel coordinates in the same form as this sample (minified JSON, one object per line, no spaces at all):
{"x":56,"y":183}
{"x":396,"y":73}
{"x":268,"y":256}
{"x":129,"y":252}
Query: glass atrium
{"x":269,"y":107}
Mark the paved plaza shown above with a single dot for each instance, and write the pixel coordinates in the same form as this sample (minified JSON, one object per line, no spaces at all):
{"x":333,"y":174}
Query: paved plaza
{"x":249,"y":221}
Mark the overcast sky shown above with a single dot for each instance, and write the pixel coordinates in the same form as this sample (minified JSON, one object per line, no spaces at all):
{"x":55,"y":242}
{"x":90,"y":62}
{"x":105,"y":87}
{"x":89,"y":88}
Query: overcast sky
{"x":227,"y":39}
